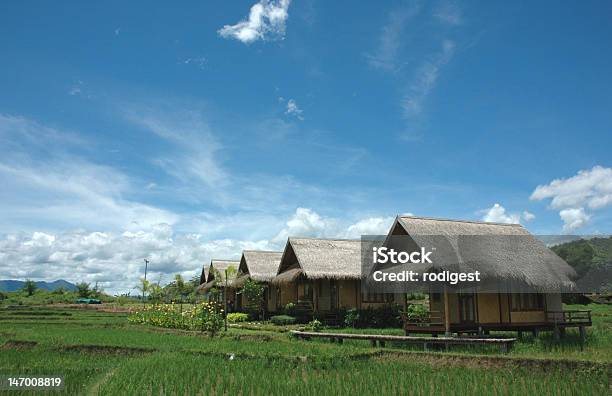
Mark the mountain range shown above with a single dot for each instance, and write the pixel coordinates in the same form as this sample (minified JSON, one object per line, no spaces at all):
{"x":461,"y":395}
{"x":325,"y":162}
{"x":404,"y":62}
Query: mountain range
{"x":14,"y":285}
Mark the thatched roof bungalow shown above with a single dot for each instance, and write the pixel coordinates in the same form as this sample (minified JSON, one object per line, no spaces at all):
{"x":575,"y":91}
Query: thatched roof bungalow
{"x":325,"y":273}
{"x":260,"y":266}
{"x":522,"y":279}
{"x":214,"y":274}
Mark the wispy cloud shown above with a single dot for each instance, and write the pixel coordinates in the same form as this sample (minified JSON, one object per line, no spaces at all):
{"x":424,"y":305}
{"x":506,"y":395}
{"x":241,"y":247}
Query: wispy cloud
{"x":425,"y":80}
{"x":266,"y":21}
{"x":198,"y":61}
{"x":389,"y":41}
{"x":195,"y":147}
{"x":449,"y":12}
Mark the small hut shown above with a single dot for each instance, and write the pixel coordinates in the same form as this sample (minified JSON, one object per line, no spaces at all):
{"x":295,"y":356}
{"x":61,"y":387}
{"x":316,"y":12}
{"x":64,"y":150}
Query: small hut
{"x":325,"y":273}
{"x":214,"y":276}
{"x":527,"y":276}
{"x":260,"y":266}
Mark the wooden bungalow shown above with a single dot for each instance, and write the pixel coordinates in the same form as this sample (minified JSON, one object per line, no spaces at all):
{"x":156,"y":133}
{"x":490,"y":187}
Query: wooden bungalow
{"x":213,"y":276}
{"x":326,"y":274}
{"x":507,"y":307}
{"x":260,"y":266}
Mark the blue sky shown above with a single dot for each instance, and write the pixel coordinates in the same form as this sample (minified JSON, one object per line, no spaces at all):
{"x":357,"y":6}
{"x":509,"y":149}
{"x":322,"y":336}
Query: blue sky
{"x":181,"y":133}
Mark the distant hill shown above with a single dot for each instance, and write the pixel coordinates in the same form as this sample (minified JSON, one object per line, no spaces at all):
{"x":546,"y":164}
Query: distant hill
{"x":14,"y":285}
{"x":591,"y":258}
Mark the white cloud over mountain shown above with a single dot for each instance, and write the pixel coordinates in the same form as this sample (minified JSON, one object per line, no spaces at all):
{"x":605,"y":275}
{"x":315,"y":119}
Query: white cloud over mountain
{"x":588,"y":189}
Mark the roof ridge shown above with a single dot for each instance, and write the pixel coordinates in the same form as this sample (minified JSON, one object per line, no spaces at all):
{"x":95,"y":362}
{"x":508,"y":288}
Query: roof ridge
{"x":326,"y":239}
{"x":460,"y":220}
{"x":261,"y":251}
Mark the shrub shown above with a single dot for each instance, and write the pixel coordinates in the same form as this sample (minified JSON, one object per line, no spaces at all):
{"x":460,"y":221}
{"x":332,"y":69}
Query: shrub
{"x":289,"y":309}
{"x":386,"y":316}
{"x":236,"y":317}
{"x":282,"y":320}
{"x":3,"y":296}
{"x":253,"y":291}
{"x":351,"y":318}
{"x":417,"y":313}
{"x":314,"y":325}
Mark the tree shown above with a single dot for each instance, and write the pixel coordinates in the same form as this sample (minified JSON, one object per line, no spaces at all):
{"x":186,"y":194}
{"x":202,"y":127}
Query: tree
{"x":253,"y":291}
{"x":83,"y":289}
{"x":144,"y":286}
{"x":29,"y":287}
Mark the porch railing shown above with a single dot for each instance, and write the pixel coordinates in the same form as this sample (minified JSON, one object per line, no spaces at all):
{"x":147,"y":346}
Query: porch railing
{"x":569,"y":317}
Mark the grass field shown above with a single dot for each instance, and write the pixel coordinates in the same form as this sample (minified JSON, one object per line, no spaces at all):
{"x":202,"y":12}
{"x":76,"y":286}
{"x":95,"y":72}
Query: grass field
{"x":100,"y":353}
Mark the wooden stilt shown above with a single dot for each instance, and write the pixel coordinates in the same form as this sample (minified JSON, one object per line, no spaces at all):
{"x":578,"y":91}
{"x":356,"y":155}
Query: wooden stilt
{"x":557,"y":333}
{"x":447,"y":329}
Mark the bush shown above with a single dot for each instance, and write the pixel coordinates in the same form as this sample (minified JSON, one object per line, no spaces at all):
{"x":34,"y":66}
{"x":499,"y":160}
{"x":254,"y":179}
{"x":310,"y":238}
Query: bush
{"x":3,"y":296}
{"x":417,"y":313}
{"x":289,"y":309}
{"x":237,"y":317}
{"x":386,"y":316}
{"x":282,"y":320}
{"x":254,"y":292}
{"x":351,"y":318}
{"x":314,"y":325}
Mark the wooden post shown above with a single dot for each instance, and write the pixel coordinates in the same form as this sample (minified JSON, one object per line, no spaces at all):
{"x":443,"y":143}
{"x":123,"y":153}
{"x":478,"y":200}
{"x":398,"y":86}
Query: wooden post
{"x":447,"y":330}
{"x":582,"y":333}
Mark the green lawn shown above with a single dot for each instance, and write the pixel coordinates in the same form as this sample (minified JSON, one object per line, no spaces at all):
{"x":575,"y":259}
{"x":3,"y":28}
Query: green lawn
{"x":100,"y":353}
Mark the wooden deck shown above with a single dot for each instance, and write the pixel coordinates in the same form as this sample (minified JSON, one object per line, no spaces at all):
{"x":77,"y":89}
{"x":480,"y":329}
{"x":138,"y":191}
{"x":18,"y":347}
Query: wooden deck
{"x":505,"y":344}
{"x":556,"y":321}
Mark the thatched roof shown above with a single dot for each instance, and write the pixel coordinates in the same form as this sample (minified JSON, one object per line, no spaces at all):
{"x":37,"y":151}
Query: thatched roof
{"x":260,"y":265}
{"x":216,"y":270}
{"x":499,"y":251}
{"x":321,"y":258}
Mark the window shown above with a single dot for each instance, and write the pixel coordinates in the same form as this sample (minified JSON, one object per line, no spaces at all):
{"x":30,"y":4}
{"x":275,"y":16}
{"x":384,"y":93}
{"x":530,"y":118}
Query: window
{"x":527,"y":302}
{"x":376,"y":297}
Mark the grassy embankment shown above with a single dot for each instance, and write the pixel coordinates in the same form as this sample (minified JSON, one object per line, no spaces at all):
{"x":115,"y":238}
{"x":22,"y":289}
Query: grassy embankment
{"x":100,"y":353}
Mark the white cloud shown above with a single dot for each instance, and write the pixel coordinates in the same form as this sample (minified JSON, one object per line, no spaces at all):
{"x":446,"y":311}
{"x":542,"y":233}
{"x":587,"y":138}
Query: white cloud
{"x":591,"y":188}
{"x":425,"y":80}
{"x":114,"y":259}
{"x":573,"y":218}
{"x":528,"y":216}
{"x":369,"y":226}
{"x":294,"y":110}
{"x":307,"y":223}
{"x":266,"y":20}
{"x":588,"y":188}
{"x":498,"y":214}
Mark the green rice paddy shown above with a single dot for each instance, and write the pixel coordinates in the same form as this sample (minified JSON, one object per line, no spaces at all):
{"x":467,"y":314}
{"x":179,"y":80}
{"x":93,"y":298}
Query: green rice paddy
{"x":100,"y":353}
